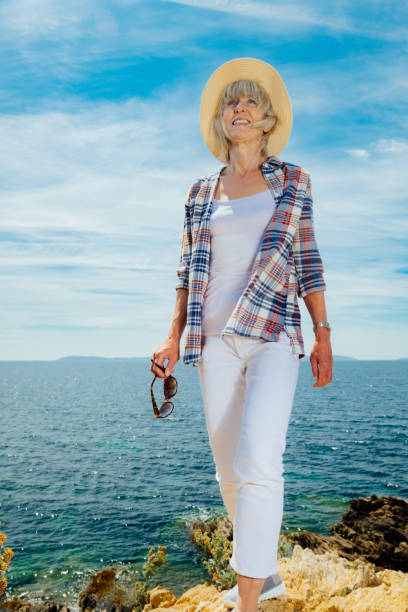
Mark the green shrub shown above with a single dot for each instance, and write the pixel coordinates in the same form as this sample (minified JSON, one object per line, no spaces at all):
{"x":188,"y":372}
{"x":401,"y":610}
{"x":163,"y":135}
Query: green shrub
{"x":139,"y":592}
{"x":6,"y":556}
{"x":218,"y":549}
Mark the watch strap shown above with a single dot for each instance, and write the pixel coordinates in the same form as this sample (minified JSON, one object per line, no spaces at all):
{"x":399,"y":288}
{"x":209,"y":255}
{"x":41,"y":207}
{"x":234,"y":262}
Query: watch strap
{"x":322,"y":324}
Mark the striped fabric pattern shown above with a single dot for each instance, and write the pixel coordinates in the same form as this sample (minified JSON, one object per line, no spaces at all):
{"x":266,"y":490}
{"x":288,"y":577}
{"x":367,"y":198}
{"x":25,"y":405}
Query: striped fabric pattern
{"x":287,"y":265}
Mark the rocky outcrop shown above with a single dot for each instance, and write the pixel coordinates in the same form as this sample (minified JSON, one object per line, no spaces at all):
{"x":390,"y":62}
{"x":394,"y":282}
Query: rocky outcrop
{"x":330,"y":583}
{"x":315,"y":582}
{"x":374,"y":529}
{"x":223,"y":523}
{"x":102,"y":593}
{"x":319,"y":582}
{"x":360,"y":568}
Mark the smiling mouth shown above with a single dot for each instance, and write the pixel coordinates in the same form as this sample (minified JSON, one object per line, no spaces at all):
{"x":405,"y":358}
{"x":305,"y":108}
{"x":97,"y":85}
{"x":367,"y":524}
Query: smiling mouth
{"x":240,"y":122}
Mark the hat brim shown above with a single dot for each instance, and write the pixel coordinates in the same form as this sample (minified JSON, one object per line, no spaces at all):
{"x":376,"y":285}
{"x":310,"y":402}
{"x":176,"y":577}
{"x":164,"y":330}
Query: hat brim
{"x":264,"y":74}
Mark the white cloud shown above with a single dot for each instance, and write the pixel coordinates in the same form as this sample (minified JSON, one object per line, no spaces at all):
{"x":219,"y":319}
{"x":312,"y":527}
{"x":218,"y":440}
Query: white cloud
{"x":337,"y":19}
{"x":294,"y":13}
{"x":392,"y":145}
{"x":358,"y":152}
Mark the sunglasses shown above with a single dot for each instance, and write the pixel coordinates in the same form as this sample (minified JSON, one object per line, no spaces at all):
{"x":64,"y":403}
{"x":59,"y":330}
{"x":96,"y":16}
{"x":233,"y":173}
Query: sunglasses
{"x":169,"y":389}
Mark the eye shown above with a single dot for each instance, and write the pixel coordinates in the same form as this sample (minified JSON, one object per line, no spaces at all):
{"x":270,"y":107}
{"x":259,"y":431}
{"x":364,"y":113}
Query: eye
{"x":230,"y":100}
{"x":252,"y":100}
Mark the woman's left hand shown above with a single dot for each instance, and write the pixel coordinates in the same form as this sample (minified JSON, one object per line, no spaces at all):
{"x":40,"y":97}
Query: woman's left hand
{"x":321,"y":360}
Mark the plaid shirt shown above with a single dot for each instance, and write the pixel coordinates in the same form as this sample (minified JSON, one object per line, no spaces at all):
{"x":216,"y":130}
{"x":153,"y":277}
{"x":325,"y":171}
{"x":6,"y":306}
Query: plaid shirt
{"x":287,"y":265}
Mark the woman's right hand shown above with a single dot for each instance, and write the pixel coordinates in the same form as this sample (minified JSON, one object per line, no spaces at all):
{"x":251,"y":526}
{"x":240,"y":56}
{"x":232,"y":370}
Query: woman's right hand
{"x":170,"y":350}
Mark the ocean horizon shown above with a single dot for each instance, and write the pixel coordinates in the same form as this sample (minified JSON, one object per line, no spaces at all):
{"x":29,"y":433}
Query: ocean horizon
{"x":96,"y":357}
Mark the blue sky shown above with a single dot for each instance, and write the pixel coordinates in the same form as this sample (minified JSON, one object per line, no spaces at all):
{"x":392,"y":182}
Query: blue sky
{"x":100,"y":142}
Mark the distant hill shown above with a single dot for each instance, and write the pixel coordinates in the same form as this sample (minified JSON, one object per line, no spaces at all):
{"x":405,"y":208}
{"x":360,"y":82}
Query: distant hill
{"x":95,"y":357}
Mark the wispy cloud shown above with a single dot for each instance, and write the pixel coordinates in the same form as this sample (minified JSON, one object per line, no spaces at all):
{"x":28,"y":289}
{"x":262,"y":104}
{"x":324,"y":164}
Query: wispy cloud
{"x":294,"y":13}
{"x":392,"y":145}
{"x":335,"y":19}
{"x":358,"y":152}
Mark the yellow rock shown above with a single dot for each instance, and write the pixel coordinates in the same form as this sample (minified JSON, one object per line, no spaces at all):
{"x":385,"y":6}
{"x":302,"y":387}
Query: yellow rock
{"x":329,"y":583}
{"x":322,"y":583}
{"x":200,"y":597}
{"x":161,"y":597}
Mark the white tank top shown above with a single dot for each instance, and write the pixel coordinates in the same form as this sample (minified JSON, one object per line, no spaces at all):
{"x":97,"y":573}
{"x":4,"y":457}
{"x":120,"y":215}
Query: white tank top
{"x":237,"y":228}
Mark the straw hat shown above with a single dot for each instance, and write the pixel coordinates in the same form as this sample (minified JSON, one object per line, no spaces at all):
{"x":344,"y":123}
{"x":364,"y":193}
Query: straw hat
{"x":264,"y":74}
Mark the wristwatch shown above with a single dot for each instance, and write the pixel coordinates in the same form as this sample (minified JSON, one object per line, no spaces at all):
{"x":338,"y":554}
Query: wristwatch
{"x":322,"y":324}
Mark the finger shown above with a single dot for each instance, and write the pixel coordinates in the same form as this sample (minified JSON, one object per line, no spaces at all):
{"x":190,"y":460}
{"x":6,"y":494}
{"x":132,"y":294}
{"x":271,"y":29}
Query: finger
{"x":321,"y":382}
{"x":328,"y":378}
{"x":315,"y":370}
{"x":157,"y":370}
{"x":324,"y":375}
{"x":170,"y":366}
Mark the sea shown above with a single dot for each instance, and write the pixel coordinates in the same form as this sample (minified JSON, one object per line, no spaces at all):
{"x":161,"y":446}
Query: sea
{"x":91,"y":479}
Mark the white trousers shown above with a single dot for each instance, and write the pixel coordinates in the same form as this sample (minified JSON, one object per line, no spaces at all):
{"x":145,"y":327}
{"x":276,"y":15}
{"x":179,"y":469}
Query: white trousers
{"x":248,"y":386}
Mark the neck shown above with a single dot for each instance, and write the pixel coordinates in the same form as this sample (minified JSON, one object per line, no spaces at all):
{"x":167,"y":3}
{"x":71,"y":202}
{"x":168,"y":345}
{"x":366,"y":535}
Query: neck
{"x":244,"y":159}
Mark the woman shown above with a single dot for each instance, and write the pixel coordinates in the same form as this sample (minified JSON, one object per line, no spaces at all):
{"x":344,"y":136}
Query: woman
{"x":248,"y":252}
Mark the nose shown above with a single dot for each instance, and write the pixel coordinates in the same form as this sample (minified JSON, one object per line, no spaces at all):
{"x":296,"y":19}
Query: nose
{"x":240,"y":105}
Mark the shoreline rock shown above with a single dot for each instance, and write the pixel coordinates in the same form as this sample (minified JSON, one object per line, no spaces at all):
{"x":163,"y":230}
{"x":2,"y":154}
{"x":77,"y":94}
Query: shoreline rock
{"x":374,"y":529}
{"x":362,"y":567}
{"x":323,"y":582}
{"x":314,"y":582}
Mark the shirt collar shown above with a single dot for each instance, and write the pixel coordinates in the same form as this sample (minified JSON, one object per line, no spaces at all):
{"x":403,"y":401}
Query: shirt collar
{"x":272,"y":160}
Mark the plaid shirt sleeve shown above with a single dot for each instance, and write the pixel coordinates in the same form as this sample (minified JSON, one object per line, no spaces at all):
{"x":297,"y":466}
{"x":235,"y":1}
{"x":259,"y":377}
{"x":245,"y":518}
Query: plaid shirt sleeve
{"x":183,"y":268}
{"x":308,"y":263}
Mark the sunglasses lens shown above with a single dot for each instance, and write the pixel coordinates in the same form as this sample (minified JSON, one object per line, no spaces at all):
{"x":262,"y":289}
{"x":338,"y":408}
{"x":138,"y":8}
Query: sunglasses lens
{"x":170,"y":386}
{"x":166,"y":409}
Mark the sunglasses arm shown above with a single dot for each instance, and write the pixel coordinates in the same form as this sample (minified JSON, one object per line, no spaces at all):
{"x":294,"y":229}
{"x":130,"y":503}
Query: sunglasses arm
{"x":156,"y":411}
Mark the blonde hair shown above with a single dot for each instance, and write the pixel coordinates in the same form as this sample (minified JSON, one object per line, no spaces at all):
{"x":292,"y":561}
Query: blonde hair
{"x":248,"y":88}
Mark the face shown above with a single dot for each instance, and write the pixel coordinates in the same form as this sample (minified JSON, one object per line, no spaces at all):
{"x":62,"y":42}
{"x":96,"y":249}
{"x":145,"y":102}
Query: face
{"x":238,"y":115}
